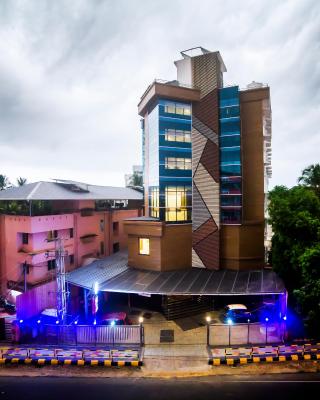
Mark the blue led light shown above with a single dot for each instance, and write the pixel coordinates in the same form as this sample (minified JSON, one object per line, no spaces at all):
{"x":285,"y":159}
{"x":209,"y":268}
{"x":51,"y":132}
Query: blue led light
{"x":21,"y":321}
{"x":76,"y":322}
{"x":95,"y":322}
{"x":285,"y":318}
{"x":57,"y":321}
{"x":267,"y":319}
{"x":229,"y":321}
{"x":112,"y":323}
{"x":38,"y":322}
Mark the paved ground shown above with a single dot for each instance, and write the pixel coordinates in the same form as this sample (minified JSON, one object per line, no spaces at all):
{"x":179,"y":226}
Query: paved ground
{"x":234,"y":387}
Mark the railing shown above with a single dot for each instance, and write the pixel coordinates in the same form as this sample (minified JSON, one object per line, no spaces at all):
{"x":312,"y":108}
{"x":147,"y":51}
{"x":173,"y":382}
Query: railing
{"x":92,"y":334}
{"x":243,"y":334}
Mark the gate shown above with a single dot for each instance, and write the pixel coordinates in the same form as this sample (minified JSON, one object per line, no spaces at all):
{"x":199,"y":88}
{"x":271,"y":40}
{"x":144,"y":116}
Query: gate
{"x":244,"y":334}
{"x":93,"y":335}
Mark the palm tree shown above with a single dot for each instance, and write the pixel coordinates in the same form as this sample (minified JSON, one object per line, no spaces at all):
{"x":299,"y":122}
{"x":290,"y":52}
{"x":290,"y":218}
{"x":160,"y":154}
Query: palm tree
{"x":4,"y":182}
{"x":136,"y":179}
{"x":311,"y":177}
{"x":21,"y":181}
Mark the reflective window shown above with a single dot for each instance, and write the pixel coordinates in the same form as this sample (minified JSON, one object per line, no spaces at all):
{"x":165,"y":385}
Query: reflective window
{"x":230,"y":216}
{"x":230,"y":155}
{"x":230,"y":201}
{"x":144,"y":246}
{"x":175,"y":135}
{"x":177,"y":108}
{"x":229,"y":141}
{"x":178,"y":163}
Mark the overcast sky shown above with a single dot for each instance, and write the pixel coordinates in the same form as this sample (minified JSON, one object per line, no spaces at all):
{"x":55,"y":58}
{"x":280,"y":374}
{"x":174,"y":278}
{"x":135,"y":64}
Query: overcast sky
{"x":72,"y":73}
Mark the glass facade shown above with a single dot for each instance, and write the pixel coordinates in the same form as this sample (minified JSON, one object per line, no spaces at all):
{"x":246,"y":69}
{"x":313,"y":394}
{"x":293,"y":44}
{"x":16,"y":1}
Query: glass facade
{"x":230,"y":156}
{"x":170,"y":166}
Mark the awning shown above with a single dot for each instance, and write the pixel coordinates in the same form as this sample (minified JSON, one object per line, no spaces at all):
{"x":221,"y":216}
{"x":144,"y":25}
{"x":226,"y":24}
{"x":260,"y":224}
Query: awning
{"x":113,"y":275}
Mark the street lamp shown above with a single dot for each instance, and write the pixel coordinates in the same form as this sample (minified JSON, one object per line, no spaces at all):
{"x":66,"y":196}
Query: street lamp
{"x":229,"y":322}
{"x":208,"y":320}
{"x":267,"y":320}
{"x":141,"y":329}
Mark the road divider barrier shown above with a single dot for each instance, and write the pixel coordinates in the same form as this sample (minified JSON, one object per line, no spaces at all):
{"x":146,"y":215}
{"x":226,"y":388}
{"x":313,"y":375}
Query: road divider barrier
{"x":93,"y":357}
{"x":245,"y":355}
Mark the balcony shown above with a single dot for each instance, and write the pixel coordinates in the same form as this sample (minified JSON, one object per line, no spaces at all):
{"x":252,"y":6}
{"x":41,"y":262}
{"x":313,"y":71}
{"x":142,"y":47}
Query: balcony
{"x":89,"y":238}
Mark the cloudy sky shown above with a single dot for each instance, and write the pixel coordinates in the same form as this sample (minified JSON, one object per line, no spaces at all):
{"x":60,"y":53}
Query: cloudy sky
{"x":72,"y":73}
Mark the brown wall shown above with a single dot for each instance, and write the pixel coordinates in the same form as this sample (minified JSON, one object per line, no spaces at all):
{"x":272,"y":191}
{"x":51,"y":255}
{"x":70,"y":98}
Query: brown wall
{"x":170,"y":245}
{"x":242,"y":247}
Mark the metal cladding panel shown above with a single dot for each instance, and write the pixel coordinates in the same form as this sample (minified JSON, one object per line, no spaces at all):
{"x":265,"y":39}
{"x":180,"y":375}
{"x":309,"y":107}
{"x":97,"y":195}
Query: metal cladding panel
{"x":205,"y":162}
{"x":200,"y":212}
{"x":209,"y":191}
{"x":196,"y":260}
{"x":206,"y":72}
{"x":198,"y":143}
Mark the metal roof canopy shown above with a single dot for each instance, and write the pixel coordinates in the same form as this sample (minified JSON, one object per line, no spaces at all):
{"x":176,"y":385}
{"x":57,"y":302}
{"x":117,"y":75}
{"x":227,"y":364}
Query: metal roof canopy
{"x":113,"y":275}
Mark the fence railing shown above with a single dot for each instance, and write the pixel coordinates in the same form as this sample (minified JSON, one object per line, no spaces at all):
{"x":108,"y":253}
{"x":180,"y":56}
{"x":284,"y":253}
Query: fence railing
{"x":92,"y":334}
{"x":243,"y":334}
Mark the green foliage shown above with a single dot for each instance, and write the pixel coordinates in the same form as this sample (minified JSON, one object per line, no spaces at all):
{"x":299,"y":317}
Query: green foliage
{"x":21,"y":181}
{"x":136,"y":179}
{"x":4,"y":182}
{"x":311,"y":177}
{"x":295,"y":219}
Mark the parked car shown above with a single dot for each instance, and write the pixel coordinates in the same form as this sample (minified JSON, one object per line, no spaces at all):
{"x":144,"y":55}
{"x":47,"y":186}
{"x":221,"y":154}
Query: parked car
{"x":117,"y":318}
{"x":6,"y":306}
{"x":236,"y":313}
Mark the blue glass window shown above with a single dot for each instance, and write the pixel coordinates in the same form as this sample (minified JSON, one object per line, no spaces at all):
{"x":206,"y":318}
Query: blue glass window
{"x":230,"y":141}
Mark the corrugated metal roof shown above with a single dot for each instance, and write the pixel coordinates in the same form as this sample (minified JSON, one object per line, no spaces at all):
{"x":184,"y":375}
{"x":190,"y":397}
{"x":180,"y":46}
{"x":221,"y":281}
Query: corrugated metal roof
{"x":67,"y":190}
{"x":113,"y":275}
{"x":99,"y":271}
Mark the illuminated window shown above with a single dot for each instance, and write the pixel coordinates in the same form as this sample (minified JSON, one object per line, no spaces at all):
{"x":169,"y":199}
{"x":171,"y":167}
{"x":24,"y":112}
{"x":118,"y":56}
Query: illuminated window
{"x":178,"y":203}
{"x":178,"y":163}
{"x":144,"y":246}
{"x":175,"y":135}
{"x":176,"y":108}
{"x":154,"y":202}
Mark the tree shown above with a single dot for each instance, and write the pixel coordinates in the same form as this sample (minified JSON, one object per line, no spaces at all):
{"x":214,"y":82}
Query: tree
{"x":311,"y":177}
{"x":21,"y":181}
{"x":4,"y":182}
{"x":295,"y":219}
{"x":136,"y":179}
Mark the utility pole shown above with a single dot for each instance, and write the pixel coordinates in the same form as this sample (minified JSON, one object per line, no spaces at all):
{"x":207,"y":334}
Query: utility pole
{"x":59,"y":253}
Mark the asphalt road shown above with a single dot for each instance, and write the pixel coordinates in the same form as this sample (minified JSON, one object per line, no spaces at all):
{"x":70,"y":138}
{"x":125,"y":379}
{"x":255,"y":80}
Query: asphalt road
{"x":282,"y":386}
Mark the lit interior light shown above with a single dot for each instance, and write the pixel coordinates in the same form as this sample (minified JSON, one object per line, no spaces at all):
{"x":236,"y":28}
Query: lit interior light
{"x":285,"y":318}
{"x":21,"y":321}
{"x":140,"y":320}
{"x":57,"y":321}
{"x":95,"y":322}
{"x":267,"y":319}
{"x":229,"y":321}
{"x":96,"y":288}
{"x":112,"y":323}
{"x":38,"y":322}
{"x":208,"y":318}
{"x":248,"y":320}
{"x":76,"y":322}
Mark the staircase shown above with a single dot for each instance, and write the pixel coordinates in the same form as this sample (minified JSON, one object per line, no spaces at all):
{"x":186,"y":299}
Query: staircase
{"x":175,"y":307}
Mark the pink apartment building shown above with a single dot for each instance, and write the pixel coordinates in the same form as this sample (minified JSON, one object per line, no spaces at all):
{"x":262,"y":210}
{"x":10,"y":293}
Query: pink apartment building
{"x":89,"y":219}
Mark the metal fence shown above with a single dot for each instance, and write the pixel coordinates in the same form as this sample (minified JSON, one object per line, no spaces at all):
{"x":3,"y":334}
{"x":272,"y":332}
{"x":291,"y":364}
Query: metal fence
{"x":243,"y":334}
{"x":92,"y":334}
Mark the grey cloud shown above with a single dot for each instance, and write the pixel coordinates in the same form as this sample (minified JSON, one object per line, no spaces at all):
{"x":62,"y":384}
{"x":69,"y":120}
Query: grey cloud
{"x":72,"y":73}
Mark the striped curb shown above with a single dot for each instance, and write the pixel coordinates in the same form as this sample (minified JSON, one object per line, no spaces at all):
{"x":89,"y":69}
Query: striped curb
{"x":257,"y":359}
{"x":55,"y":361}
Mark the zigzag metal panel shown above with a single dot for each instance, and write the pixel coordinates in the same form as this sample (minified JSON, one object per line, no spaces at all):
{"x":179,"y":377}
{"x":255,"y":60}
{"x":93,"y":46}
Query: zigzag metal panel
{"x":205,"y":160}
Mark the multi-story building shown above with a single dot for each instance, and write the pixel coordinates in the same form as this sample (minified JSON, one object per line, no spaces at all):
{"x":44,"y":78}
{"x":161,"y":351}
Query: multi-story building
{"x":88,"y":218}
{"x":136,"y":170}
{"x":206,"y":162}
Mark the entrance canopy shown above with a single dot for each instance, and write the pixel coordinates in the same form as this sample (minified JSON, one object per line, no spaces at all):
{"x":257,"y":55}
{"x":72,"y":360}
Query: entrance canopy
{"x":114,"y":275}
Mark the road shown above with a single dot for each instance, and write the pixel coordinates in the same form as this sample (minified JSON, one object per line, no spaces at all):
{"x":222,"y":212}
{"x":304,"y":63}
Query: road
{"x":282,"y":386}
